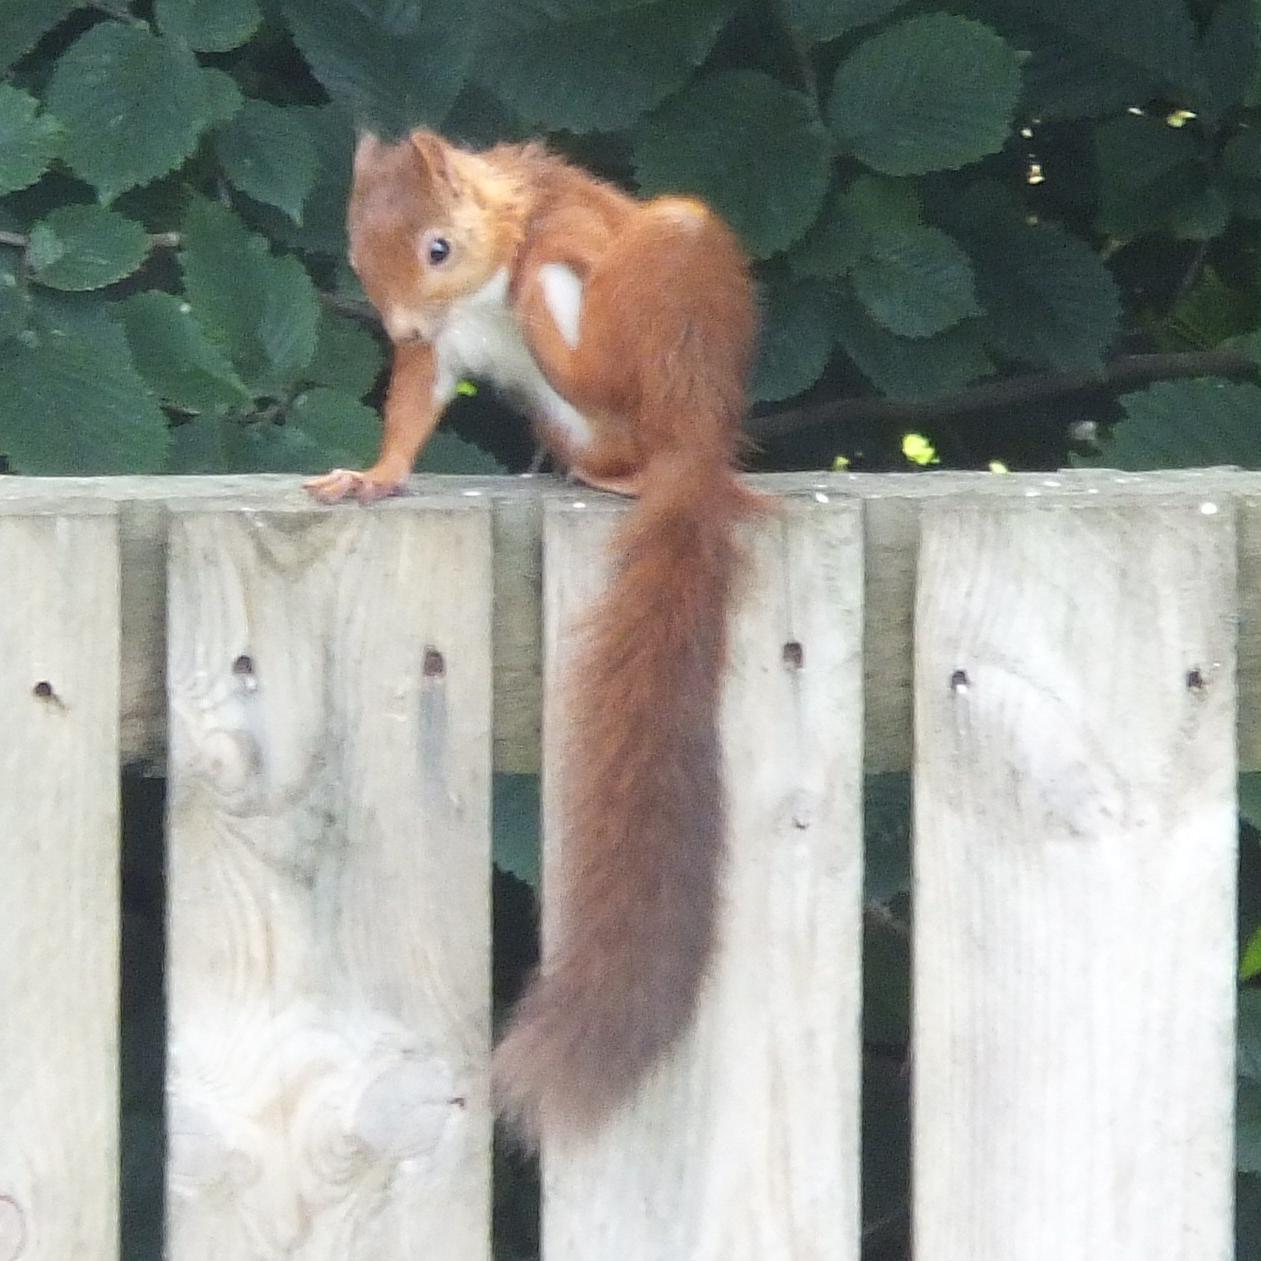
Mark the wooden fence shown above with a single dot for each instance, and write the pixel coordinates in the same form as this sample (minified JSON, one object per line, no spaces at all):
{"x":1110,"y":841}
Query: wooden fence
{"x":1056,"y":658}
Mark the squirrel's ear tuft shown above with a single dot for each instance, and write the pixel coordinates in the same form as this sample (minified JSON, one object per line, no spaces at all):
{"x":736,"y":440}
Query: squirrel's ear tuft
{"x":367,"y":149}
{"x":434,"y":155}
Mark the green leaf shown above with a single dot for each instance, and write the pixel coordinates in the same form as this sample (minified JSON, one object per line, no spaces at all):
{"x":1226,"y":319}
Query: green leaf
{"x":821,"y":20}
{"x":447,"y":452}
{"x":633,"y":55}
{"x":266,"y":152}
{"x":223,"y":97}
{"x":842,"y":235}
{"x":23,"y":23}
{"x":876,"y":203}
{"x":1156,"y":38}
{"x":226,"y":270}
{"x":886,"y":982}
{"x":1241,"y":155}
{"x":1247,"y":1219}
{"x":209,"y":26}
{"x":226,"y":444}
{"x":833,"y":243}
{"x":1250,"y":968}
{"x":1249,"y":1030}
{"x":749,"y":146}
{"x":1066,"y":77}
{"x":915,"y":280}
{"x":14,"y":302}
{"x":28,"y":139}
{"x":796,"y":339}
{"x":1146,"y":169}
{"x":173,"y":354}
{"x":261,"y":311}
{"x":289,"y":322}
{"x":392,"y":64}
{"x":266,"y":447}
{"x":133,"y":104}
{"x":911,"y":368}
{"x":932,"y":93}
{"x":1241,"y":172}
{"x":887,"y":836}
{"x":479,"y":119}
{"x":1248,"y":1127}
{"x":198,"y":446}
{"x":1202,"y":216}
{"x":515,"y":829}
{"x":68,"y":409}
{"x":1209,"y":313}
{"x":1048,"y":297}
{"x":341,"y":430}
{"x":81,"y":317}
{"x":347,"y":356}
{"x":1186,"y":424}
{"x":85,"y":247}
{"x":1250,"y":797}
{"x":323,"y":226}
{"x":1227,"y":58}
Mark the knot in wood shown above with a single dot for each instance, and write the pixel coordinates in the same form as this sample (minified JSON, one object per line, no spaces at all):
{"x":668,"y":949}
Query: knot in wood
{"x":12,"y":1229}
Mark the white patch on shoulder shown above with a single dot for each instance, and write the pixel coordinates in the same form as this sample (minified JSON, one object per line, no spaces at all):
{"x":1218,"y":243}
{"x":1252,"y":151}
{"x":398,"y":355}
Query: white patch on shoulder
{"x":562,"y":291}
{"x":481,"y":337}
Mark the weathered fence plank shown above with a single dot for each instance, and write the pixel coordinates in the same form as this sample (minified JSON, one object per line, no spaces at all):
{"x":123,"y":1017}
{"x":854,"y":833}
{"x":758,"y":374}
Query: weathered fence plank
{"x":59,"y":909}
{"x":745,"y":1147}
{"x":1074,"y":889}
{"x":893,"y":503}
{"x":328,"y":840}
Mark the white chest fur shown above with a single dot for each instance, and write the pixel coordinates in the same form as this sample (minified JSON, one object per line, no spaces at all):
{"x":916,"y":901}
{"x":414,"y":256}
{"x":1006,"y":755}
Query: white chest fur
{"x":481,"y":337}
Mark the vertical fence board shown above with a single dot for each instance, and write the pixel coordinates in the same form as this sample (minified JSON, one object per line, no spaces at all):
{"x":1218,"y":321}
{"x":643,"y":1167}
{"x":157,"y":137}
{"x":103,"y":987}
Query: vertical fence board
{"x":1074,"y":889}
{"x":328,"y":836}
{"x":59,"y":890}
{"x":744,"y":1147}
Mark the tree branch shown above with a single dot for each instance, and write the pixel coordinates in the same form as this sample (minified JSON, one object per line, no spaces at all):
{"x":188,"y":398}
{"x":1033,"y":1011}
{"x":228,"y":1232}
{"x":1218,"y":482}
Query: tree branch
{"x":1013,"y":392}
{"x":356,"y":308}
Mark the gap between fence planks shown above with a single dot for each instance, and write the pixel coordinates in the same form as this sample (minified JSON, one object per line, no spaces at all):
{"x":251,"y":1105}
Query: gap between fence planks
{"x":329,"y":872}
{"x":892,"y":505}
{"x":745,"y":1146}
{"x":59,"y":908}
{"x":1075,"y":836}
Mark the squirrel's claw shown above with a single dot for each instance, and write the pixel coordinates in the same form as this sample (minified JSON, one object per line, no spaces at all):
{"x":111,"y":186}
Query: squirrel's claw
{"x":342,"y":483}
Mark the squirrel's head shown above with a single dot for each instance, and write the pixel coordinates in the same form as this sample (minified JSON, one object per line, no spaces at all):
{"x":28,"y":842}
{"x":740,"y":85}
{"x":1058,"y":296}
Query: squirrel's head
{"x":428,"y":224}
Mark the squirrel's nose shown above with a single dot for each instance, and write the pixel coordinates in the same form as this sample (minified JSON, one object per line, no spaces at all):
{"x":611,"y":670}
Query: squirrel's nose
{"x":404,"y":326}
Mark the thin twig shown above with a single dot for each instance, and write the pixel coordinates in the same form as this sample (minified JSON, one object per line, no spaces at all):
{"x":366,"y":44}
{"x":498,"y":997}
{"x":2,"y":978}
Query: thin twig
{"x":1036,"y":387}
{"x":356,"y":308}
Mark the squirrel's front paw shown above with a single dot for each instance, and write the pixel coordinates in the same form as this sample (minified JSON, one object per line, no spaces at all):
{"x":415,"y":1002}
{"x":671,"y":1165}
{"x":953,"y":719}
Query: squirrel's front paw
{"x":342,"y":483}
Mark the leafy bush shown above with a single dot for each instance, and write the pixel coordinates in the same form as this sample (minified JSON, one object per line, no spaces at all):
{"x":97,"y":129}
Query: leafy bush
{"x":952,"y":212}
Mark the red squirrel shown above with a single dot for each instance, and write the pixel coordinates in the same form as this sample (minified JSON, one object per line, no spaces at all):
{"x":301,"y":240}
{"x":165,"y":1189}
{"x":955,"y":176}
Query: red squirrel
{"x":624,"y":329}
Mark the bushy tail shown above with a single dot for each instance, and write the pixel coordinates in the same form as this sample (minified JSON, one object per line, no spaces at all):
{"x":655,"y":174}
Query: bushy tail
{"x":642,"y":801}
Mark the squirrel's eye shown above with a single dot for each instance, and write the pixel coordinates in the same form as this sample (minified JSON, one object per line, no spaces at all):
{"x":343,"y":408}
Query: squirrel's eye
{"x":438,"y":250}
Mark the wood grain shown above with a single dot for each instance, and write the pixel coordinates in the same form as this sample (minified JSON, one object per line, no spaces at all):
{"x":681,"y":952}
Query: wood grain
{"x":745,"y":1146}
{"x":1074,"y":882}
{"x":328,"y":864}
{"x":59,"y":823}
{"x":892,"y":502}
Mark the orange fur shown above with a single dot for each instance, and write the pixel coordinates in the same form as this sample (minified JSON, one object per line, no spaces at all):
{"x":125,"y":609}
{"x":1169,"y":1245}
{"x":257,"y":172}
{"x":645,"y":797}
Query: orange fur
{"x":656,"y":380}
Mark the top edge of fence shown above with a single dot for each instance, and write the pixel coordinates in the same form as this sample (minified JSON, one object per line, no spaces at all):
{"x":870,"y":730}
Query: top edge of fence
{"x":285,"y":491}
